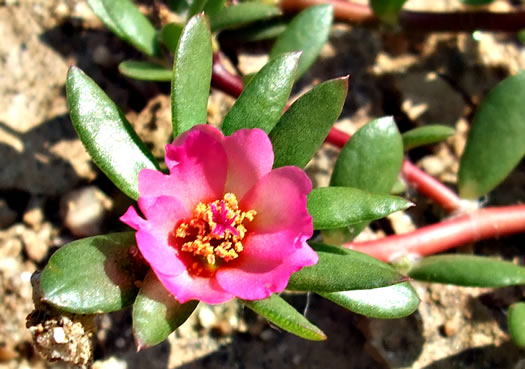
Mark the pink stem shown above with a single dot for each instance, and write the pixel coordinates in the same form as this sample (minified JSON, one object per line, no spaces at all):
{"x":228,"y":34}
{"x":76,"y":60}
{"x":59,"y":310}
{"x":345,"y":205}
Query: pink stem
{"x":224,"y":80}
{"x":457,"y":231}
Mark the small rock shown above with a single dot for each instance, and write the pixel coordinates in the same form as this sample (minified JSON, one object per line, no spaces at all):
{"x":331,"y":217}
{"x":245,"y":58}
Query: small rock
{"x":36,"y":244}
{"x":34,"y":215}
{"x":207,"y":318}
{"x":7,"y":215}
{"x":83,"y":211}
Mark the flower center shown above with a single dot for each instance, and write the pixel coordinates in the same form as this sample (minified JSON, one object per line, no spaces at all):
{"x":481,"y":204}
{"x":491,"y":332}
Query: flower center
{"x":216,"y":230}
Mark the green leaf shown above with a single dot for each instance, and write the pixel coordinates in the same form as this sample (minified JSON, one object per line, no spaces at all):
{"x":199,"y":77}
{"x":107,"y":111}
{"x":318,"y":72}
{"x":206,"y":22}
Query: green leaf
{"x":196,"y":7}
{"x":305,"y":125}
{"x":370,"y":161}
{"x":144,"y":70}
{"x":496,"y":141}
{"x":263,"y":30}
{"x":516,"y":323}
{"x":106,"y":133}
{"x":426,"y":135}
{"x":241,"y":14}
{"x":392,"y":302}
{"x":387,"y":10}
{"x":476,"y":2}
{"x":307,"y":32}
{"x":156,"y":313}
{"x":170,"y":35}
{"x":92,"y":275}
{"x":262,"y":101}
{"x":468,"y":270}
{"x":277,"y":311}
{"x":100,"y":11}
{"x":335,"y":272}
{"x":129,"y":23}
{"x":212,"y":7}
{"x":334,"y":207}
{"x":190,"y":86}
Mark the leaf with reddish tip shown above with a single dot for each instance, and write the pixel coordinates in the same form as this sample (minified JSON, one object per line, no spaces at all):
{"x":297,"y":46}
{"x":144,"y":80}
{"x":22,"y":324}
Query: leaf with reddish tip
{"x":156,"y":313}
{"x":277,"y":311}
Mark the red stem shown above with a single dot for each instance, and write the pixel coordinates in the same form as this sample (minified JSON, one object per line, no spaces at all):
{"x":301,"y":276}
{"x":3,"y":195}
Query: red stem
{"x":224,"y":80}
{"x":467,"y":21}
{"x":457,"y":231}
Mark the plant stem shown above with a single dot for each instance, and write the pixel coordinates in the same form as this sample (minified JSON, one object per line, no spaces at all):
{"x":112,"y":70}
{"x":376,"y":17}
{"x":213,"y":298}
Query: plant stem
{"x":454,"y":232}
{"x":464,"y":21}
{"x":224,"y":80}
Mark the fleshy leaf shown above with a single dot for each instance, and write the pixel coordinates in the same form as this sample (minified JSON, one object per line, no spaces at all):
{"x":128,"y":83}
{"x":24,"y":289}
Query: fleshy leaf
{"x":307,"y":32}
{"x":426,"y":135}
{"x":92,"y":275}
{"x":390,"y":302}
{"x":156,"y":313}
{"x":305,"y":125}
{"x":496,"y":141}
{"x":277,"y":311}
{"x":334,"y":207}
{"x":468,"y":270}
{"x":212,"y":7}
{"x":258,"y":31}
{"x":106,"y":133}
{"x":262,"y":101}
{"x":190,"y":86}
{"x":241,"y":14}
{"x":196,"y":7}
{"x":476,"y":2}
{"x":170,"y":35}
{"x":144,"y":70}
{"x":128,"y":23}
{"x":370,"y":161}
{"x":387,"y":10}
{"x":346,"y":272}
{"x":516,"y":323}
{"x":97,"y":6}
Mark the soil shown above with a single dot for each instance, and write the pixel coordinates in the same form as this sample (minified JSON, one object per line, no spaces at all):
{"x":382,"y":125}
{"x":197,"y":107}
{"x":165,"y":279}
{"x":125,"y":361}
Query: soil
{"x":51,"y":193}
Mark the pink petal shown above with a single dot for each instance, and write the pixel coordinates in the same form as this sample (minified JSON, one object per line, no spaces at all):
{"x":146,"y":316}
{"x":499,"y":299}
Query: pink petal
{"x":163,"y":213}
{"x":280,"y":201}
{"x":198,"y":175}
{"x":272,"y":246}
{"x":250,"y":157}
{"x":179,"y":140}
{"x":254,"y":279}
{"x":132,"y":219}
{"x":185,"y":287}
{"x":162,"y":257}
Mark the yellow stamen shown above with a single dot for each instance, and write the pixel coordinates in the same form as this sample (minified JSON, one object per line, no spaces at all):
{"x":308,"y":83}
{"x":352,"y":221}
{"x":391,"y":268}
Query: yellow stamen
{"x":215,"y":231}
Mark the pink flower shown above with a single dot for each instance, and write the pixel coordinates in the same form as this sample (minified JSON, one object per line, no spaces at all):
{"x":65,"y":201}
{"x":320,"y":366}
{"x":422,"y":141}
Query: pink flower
{"x":223,"y":224}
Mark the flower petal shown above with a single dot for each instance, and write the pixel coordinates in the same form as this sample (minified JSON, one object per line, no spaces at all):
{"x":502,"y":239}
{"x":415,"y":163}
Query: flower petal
{"x":280,"y":201}
{"x":199,"y":172}
{"x":179,"y":140}
{"x":254,"y":279}
{"x":272,"y":246}
{"x":163,"y":213}
{"x":250,"y":157}
{"x":185,"y":287}
{"x":131,"y":218}
{"x":162,"y":257}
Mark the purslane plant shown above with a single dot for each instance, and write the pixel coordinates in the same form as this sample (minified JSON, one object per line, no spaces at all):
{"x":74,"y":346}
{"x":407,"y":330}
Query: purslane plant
{"x":217,"y":226}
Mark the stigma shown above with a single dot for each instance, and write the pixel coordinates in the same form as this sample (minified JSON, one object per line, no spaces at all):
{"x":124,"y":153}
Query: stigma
{"x":216,"y":230}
